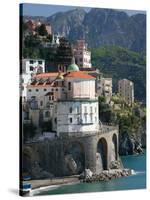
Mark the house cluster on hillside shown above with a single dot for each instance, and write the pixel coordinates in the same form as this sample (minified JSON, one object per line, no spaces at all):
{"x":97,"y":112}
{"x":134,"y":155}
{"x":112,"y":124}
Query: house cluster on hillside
{"x":68,"y":96}
{"x":33,"y":25}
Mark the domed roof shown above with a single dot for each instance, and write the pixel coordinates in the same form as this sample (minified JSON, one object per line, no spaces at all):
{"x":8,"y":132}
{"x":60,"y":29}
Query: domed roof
{"x":73,"y":66}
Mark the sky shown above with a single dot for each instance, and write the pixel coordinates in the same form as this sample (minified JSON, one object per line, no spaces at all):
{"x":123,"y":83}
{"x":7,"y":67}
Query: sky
{"x":48,"y":10}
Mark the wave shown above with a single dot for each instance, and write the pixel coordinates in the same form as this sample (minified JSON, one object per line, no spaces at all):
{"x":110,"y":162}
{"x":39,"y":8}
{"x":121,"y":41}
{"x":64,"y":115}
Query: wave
{"x":42,"y":189}
{"x":139,"y":172}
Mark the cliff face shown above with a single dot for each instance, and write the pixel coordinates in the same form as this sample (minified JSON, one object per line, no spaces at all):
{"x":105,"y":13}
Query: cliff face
{"x":101,"y":27}
{"x":132,"y":143}
{"x":68,"y":24}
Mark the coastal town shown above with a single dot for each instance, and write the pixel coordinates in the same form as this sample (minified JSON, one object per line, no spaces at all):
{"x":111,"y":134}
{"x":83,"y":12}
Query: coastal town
{"x":63,"y":131}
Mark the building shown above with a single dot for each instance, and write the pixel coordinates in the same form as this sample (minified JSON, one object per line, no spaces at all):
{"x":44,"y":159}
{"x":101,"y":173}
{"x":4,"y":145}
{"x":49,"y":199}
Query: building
{"x":64,"y":54}
{"x":103,"y":85}
{"x":29,"y":68}
{"x":126,"y":90}
{"x":48,"y":29}
{"x":82,"y":55}
{"x":77,"y":111}
{"x":105,"y":88}
{"x":67,"y":99}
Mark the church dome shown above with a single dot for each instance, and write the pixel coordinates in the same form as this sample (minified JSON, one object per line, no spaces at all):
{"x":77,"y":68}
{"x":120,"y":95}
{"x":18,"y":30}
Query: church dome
{"x":73,"y":67}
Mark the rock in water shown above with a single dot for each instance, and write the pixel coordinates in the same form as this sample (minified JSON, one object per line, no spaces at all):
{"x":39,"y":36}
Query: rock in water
{"x":88,"y":173}
{"x":115,"y":165}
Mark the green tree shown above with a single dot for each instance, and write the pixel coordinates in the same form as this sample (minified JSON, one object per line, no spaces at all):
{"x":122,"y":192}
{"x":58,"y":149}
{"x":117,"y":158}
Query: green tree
{"x":42,"y":30}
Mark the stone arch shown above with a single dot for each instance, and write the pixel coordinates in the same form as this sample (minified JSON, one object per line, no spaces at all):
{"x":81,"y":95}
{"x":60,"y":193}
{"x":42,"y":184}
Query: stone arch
{"x":102,"y":149}
{"x":75,"y":158}
{"x":114,"y":140}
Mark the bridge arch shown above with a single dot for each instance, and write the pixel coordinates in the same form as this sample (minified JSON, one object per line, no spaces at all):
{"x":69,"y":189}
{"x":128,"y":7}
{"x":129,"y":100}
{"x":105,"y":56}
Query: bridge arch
{"x":114,"y":140}
{"x":102,"y":149}
{"x":75,"y":157}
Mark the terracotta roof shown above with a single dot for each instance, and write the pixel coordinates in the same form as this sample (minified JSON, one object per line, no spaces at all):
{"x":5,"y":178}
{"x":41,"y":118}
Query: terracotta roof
{"x":79,"y":74}
{"x":46,"y":75}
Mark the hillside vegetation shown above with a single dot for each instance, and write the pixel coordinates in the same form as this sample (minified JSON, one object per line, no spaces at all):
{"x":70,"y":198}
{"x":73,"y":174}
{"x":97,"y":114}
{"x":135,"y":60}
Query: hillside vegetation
{"x":119,"y":63}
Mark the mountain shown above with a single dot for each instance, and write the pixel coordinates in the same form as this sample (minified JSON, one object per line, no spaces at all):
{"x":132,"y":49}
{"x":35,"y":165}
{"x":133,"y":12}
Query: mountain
{"x":69,"y":24}
{"x":120,"y":63}
{"x":101,"y":27}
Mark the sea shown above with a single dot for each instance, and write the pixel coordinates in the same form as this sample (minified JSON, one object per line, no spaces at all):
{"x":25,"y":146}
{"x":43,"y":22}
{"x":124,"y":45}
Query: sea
{"x":136,"y":181}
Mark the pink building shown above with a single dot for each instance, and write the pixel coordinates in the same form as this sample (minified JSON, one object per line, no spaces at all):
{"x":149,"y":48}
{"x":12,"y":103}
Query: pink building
{"x":82,"y":55}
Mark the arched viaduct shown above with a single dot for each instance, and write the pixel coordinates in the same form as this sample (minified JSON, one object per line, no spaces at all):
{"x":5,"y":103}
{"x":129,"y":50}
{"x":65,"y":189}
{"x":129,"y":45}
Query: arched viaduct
{"x":72,"y":154}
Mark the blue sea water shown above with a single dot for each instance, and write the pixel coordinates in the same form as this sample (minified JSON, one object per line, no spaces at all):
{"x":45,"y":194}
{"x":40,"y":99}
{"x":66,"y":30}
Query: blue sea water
{"x":137,"y":181}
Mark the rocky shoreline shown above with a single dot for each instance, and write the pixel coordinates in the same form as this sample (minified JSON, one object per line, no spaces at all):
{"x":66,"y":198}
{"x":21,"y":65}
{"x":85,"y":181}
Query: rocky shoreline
{"x":107,"y":175}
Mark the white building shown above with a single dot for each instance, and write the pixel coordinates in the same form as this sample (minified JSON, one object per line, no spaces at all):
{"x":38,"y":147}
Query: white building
{"x":30,"y":67}
{"x":77,"y":111}
{"x":126,"y":90}
{"x":82,"y":55}
{"x":67,"y":99}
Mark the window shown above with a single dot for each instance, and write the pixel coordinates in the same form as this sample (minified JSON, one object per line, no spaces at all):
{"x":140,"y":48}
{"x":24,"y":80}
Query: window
{"x":85,"y":118}
{"x":45,"y":89}
{"x":37,"y":90}
{"x":70,"y":119}
{"x":78,"y":110}
{"x":31,"y":68}
{"x":40,"y":70}
{"x":70,"y":109}
{"x":57,"y":89}
{"x":41,"y":103}
{"x":40,"y":62}
{"x":91,"y":118}
{"x":55,"y":120}
{"x":85,"y":109}
{"x":78,"y":120}
{"x":95,"y":119}
{"x":29,"y":90}
{"x":69,"y":85}
{"x":95,"y":109}
{"x":31,"y":61}
{"x":47,"y":114}
{"x":33,"y":97}
{"x":91,"y":109}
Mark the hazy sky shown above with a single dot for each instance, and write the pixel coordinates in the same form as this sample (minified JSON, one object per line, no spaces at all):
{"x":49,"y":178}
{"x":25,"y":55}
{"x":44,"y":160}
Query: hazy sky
{"x":47,"y":10}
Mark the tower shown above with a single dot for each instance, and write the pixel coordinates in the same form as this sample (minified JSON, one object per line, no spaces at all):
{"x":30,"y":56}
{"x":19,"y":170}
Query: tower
{"x":76,"y":112}
{"x":63,"y":55}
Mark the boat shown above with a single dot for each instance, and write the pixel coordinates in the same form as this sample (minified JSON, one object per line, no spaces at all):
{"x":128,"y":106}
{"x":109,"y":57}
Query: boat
{"x":25,"y":188}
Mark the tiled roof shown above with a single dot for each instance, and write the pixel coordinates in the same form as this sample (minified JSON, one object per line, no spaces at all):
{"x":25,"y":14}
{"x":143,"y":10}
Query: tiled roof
{"x":46,"y":75}
{"x":79,"y":74}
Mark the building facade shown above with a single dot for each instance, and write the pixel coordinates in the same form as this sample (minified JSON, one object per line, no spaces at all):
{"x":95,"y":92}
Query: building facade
{"x":82,"y":55}
{"x":126,"y":90}
{"x":105,"y":88}
{"x":30,"y":67}
{"x":67,"y":99}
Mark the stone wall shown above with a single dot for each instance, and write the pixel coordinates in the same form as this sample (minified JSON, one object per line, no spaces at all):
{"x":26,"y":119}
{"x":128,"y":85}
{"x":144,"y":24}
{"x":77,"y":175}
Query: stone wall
{"x":68,"y":156}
